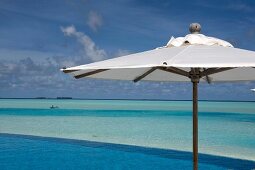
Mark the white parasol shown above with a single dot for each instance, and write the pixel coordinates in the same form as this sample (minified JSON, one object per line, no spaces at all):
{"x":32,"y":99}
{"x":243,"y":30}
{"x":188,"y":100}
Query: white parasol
{"x":194,"y":58}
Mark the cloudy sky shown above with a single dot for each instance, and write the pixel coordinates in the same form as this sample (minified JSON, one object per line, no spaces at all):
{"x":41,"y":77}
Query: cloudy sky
{"x":37,"y":38}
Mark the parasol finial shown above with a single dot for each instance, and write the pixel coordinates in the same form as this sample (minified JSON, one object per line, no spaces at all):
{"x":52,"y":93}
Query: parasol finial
{"x":195,"y":28}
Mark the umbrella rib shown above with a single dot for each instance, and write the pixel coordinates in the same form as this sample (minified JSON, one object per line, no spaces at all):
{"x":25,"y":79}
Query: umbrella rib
{"x":145,"y":74}
{"x":90,"y":73}
{"x":207,"y":78}
{"x":210,"y":71}
{"x":69,"y":71}
{"x":175,"y":71}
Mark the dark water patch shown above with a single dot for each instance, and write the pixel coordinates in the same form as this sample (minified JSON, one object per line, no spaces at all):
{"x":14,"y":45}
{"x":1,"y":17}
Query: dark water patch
{"x":88,"y":112}
{"x":111,"y":112}
{"x":238,"y":117}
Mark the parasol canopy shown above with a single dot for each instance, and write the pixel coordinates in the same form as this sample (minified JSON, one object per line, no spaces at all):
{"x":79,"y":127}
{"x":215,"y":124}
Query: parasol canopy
{"x":184,"y":53}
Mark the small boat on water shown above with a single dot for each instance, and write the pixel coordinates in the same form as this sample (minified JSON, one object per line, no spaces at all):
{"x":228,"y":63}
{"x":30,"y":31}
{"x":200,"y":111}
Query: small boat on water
{"x":53,"y":107}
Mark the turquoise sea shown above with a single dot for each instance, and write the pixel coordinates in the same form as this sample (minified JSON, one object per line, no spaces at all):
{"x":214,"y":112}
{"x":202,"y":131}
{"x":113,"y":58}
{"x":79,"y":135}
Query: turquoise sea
{"x":136,"y":134}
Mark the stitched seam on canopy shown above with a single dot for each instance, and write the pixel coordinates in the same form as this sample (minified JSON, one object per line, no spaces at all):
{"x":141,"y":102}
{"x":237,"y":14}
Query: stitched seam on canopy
{"x":171,"y":61}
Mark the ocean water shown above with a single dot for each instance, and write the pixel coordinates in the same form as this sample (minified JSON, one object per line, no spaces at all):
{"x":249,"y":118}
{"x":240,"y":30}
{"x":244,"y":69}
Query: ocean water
{"x":225,"y":129}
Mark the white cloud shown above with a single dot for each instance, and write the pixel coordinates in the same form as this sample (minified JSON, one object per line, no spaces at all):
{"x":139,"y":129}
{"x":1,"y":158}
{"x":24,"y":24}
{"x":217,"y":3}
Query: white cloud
{"x":90,"y":48}
{"x":94,"y":20}
{"x":69,"y":31}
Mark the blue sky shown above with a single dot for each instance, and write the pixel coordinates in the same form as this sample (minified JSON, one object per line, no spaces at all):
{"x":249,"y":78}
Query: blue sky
{"x":35,"y":44}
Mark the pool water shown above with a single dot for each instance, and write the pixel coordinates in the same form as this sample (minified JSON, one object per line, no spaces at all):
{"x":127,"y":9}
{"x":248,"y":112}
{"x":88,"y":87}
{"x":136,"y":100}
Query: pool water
{"x":30,"y":152}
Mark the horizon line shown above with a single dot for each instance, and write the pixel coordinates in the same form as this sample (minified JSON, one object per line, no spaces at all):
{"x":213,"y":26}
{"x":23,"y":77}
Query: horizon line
{"x":71,"y":98}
